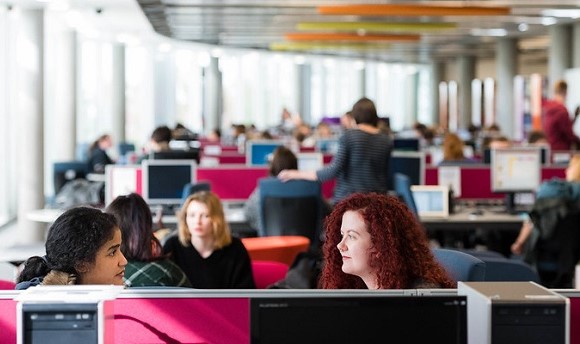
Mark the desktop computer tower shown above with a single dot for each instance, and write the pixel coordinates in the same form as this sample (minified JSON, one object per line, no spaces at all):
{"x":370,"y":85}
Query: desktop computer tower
{"x":59,"y":322}
{"x":515,"y":312}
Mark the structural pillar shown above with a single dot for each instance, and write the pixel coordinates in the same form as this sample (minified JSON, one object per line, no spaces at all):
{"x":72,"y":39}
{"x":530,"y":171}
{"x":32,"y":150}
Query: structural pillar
{"x":506,"y":64}
{"x":304,"y":92}
{"x":437,"y":73}
{"x":559,"y":55}
{"x":164,"y":89}
{"x":576,"y":45}
{"x":466,"y":73}
{"x":29,"y":103}
{"x":118,"y":93}
{"x":212,"y":96}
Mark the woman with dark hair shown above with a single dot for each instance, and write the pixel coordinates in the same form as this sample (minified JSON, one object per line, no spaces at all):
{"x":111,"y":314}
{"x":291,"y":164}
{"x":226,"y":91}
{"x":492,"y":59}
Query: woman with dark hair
{"x":282,"y":159}
{"x":373,"y":241}
{"x":147,"y":266}
{"x":98,"y":157}
{"x":82,"y":247}
{"x":361,"y":163}
{"x":205,"y":248}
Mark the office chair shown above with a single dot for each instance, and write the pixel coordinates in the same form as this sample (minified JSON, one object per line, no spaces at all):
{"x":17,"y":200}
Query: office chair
{"x":503,"y":269}
{"x":65,"y":171}
{"x":7,"y":285}
{"x":268,"y":272}
{"x":191,"y":188}
{"x":294,"y":207}
{"x":460,"y":266}
{"x":402,"y":186}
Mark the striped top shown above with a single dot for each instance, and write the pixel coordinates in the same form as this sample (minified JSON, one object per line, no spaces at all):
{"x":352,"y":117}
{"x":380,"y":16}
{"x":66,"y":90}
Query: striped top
{"x":361,"y":164}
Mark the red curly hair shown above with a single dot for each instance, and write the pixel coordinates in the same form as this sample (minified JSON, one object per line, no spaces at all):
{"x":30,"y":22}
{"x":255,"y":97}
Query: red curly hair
{"x":400,"y":249}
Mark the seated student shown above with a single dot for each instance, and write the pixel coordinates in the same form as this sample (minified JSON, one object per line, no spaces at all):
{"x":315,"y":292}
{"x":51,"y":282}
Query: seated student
{"x":554,"y":200}
{"x":205,"y":248}
{"x":373,"y":241}
{"x":98,"y":157}
{"x":147,"y":266}
{"x":282,"y":159}
{"x":159,"y":141}
{"x":453,"y":151}
{"x":82,"y":247}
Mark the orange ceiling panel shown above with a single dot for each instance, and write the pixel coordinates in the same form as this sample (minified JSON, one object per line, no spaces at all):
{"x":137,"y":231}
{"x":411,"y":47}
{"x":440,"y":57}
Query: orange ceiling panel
{"x":413,"y":10}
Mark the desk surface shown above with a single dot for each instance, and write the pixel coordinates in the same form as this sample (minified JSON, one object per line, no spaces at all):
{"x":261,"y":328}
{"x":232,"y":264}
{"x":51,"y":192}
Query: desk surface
{"x":465,"y":220}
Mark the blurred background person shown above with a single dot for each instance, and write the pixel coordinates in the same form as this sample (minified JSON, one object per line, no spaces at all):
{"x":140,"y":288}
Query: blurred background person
{"x":98,"y":157}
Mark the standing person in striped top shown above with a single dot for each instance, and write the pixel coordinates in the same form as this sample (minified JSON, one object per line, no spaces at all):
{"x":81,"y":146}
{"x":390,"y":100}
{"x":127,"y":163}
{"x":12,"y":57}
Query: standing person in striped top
{"x":361,"y":163}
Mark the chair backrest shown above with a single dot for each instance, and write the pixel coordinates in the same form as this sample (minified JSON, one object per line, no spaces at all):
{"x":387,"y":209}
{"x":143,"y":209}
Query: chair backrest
{"x":65,"y":171}
{"x":460,"y":266}
{"x":402,"y":186}
{"x":191,"y":188}
{"x":483,"y":254}
{"x":502,"y":269}
{"x":294,"y":207}
{"x":125,"y":147}
{"x":268,"y":272}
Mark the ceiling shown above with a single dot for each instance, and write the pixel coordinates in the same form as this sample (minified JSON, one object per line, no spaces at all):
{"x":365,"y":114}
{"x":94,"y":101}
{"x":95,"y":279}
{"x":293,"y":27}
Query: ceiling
{"x":422,"y":32}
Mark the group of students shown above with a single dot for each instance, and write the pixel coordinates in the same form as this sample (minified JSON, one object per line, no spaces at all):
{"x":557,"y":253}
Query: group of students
{"x":372,"y":241}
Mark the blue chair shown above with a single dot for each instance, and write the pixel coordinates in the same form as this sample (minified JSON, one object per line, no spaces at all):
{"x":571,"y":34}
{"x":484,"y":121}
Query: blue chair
{"x":460,"y":266}
{"x":402,"y":186}
{"x":502,"y":269}
{"x":294,"y":207}
{"x":191,"y":188}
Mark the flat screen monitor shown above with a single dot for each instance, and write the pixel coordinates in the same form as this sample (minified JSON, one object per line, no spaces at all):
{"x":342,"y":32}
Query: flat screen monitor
{"x":411,"y":164}
{"x":121,"y":180}
{"x":545,"y":155}
{"x":259,"y":153}
{"x":516,"y":169}
{"x":431,"y":200}
{"x":174,"y":154}
{"x":310,"y":161}
{"x":163,"y":180}
{"x":355,"y":319}
{"x":406,"y":144}
{"x":327,"y":145}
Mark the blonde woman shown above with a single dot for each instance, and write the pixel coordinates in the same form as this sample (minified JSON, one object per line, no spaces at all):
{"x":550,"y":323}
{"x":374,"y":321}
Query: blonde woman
{"x":205,"y":248}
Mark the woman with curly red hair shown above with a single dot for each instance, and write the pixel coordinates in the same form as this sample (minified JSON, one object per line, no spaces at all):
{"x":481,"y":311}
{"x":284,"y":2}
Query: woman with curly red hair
{"x":373,"y":241}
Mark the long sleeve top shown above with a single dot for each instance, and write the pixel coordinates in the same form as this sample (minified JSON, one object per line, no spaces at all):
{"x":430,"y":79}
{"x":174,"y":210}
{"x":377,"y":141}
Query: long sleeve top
{"x":361,"y":164}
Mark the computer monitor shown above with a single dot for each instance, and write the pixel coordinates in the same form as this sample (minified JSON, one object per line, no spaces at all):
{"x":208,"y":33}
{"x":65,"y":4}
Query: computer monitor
{"x":258,"y":153}
{"x":545,"y":156}
{"x":431,"y":200}
{"x":358,"y":319}
{"x":310,"y":161}
{"x":516,"y":169}
{"x":406,"y":144}
{"x":327,"y":145}
{"x":163,"y":180}
{"x":121,"y":180}
{"x":174,"y":154}
{"x":411,"y":164}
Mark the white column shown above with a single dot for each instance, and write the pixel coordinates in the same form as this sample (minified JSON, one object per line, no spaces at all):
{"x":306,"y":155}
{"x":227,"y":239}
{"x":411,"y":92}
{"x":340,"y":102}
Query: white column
{"x":118,"y":93}
{"x":466,"y":73}
{"x":506,"y":71}
{"x":212,"y":95}
{"x":304,"y":91}
{"x":559,"y":54}
{"x":437,"y":73}
{"x":164,"y":89}
{"x":576,"y":45}
{"x":28,"y":93}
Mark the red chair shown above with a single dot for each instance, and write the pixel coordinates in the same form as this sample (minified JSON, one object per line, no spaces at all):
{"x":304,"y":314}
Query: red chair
{"x":268,"y":272}
{"x":7,"y":285}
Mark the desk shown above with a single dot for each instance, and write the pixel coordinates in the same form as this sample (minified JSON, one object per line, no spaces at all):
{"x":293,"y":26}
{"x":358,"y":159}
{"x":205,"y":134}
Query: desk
{"x":282,"y":249}
{"x":464,"y":221}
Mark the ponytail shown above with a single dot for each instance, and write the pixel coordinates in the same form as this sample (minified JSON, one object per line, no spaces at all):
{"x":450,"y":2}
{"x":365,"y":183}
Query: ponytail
{"x":34,"y":267}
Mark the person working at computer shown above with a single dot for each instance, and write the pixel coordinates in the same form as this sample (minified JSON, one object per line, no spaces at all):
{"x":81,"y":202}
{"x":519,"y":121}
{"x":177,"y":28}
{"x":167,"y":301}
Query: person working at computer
{"x":98,"y":157}
{"x":361,"y":163}
{"x":373,"y":241}
{"x":159,"y":141}
{"x":555,"y":199}
{"x":82,"y":247}
{"x":282,"y":159}
{"x":147,"y":265}
{"x":205,"y":248}
{"x":557,"y":122}
{"x":453,"y":154}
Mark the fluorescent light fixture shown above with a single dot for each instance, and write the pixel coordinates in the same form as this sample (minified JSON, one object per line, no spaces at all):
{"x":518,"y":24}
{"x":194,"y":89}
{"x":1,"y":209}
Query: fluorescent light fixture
{"x":523,"y":27}
{"x":563,"y":13}
{"x":374,"y":27}
{"x":547,"y":21}
{"x":489,"y":32}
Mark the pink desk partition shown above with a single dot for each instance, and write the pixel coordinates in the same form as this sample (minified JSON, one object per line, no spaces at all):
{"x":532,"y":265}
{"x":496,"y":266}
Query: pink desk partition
{"x":182,"y":320}
{"x":476,"y":180}
{"x":236,"y":182}
{"x":7,"y":321}
{"x":231,"y":158}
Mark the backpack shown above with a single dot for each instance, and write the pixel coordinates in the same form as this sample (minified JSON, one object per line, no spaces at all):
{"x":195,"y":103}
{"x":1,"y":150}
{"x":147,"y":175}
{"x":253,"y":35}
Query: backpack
{"x":80,"y":192}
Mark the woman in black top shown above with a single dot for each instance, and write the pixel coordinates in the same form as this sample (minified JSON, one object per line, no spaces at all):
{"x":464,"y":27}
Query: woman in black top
{"x":205,"y":249}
